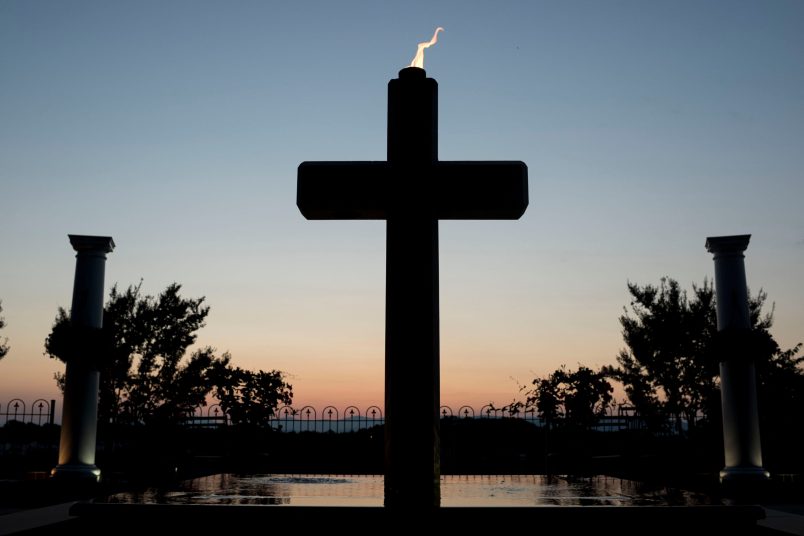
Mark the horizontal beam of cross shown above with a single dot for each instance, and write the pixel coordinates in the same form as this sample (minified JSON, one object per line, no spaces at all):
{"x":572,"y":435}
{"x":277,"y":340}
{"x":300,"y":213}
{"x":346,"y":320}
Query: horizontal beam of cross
{"x":471,"y":190}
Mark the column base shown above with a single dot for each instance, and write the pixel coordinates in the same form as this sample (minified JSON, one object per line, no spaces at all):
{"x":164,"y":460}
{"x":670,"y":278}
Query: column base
{"x":738,"y":474}
{"x":76,"y":473}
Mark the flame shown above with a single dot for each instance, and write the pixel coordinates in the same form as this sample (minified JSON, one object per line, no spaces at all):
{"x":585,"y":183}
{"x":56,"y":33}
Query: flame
{"x":418,"y":59}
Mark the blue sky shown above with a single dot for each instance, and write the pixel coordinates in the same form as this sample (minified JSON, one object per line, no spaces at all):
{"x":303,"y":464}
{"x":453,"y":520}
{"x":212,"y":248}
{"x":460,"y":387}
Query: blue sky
{"x":176,"y":127}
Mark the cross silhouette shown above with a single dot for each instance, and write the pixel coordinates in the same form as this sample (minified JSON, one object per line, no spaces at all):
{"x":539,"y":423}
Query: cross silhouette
{"x":412,"y":190}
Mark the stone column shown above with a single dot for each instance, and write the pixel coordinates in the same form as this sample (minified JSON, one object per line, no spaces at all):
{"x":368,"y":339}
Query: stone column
{"x":738,"y":386}
{"x":80,"y":415}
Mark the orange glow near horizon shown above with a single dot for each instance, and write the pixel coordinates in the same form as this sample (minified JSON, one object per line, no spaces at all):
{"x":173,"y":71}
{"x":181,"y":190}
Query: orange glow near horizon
{"x":481,"y":362}
{"x":418,"y":59}
{"x":341,"y":374}
{"x":484,"y":358}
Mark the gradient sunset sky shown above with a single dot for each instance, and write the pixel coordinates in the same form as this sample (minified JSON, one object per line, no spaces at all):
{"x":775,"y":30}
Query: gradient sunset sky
{"x":176,"y":127}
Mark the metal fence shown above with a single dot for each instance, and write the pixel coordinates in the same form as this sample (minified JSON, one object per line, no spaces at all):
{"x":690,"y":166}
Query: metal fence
{"x":331,"y":419}
{"x":352,"y":419}
{"x":207,"y":417}
{"x":39,"y":413}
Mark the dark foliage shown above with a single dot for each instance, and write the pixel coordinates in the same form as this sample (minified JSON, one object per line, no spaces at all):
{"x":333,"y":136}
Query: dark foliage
{"x":3,"y":342}
{"x":141,"y":352}
{"x":249,"y":398}
{"x":568,"y":398}
{"x":670,"y":367}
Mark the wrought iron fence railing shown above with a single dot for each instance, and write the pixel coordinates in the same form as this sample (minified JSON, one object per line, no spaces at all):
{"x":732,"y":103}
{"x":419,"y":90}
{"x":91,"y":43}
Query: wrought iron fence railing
{"x":332,"y":419}
{"x":40,"y":412}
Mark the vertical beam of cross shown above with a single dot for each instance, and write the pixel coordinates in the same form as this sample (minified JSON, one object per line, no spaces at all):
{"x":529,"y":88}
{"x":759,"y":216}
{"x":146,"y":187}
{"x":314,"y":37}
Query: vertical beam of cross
{"x":412,"y":369}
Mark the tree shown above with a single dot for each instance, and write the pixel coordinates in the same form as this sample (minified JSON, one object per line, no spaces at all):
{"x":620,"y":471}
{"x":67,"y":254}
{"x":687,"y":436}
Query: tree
{"x":568,"y":398}
{"x":670,"y":367}
{"x":140,"y":352}
{"x":3,"y":342}
{"x":250,"y":398}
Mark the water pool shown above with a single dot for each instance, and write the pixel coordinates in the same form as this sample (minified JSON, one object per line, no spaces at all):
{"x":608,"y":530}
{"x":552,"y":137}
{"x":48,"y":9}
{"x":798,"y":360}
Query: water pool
{"x":456,"y":491}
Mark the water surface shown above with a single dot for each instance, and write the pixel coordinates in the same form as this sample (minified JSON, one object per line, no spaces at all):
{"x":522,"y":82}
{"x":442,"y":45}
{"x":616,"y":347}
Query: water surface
{"x":456,"y":490}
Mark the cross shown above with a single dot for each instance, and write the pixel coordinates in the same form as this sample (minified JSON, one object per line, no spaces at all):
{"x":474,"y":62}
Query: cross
{"x":412,"y":191}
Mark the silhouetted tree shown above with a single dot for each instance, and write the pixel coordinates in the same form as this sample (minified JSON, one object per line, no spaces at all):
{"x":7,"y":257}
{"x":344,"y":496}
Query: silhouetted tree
{"x":670,"y":367}
{"x":3,"y":342}
{"x":140,"y":352}
{"x":568,"y":398}
{"x":249,"y":398}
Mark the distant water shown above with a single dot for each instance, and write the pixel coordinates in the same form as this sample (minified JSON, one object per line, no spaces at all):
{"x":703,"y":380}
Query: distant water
{"x":456,"y":490}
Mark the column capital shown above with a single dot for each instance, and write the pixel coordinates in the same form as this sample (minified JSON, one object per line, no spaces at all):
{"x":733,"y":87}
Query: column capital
{"x":88,"y":244}
{"x":733,"y":244}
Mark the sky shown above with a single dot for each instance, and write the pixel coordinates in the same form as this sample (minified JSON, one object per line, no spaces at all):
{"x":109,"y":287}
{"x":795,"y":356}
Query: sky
{"x":176,"y":128}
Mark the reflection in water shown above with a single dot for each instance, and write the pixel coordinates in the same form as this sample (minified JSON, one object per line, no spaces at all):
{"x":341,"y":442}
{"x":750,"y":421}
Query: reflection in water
{"x":456,"y":490}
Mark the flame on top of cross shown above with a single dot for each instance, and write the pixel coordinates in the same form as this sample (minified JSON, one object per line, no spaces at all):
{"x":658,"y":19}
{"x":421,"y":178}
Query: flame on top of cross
{"x":418,"y":59}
